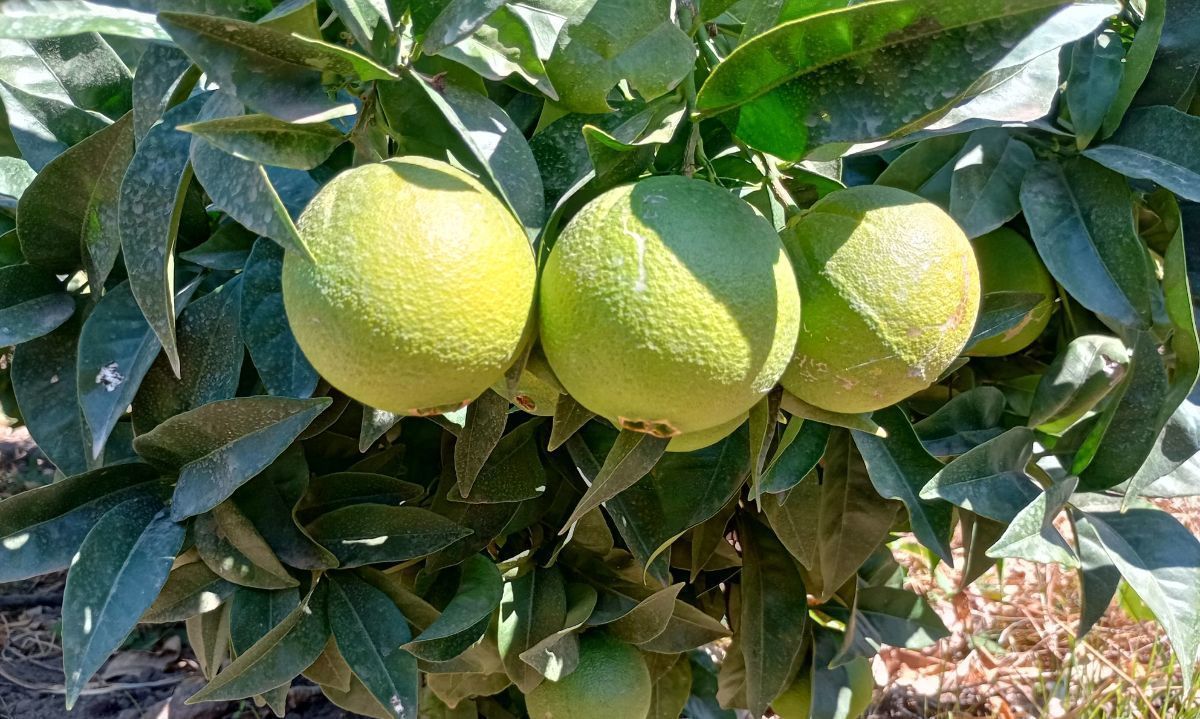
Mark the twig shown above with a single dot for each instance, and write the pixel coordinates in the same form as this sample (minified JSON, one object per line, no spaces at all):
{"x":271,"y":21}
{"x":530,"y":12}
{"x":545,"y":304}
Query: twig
{"x":90,"y":690}
{"x":21,"y":601}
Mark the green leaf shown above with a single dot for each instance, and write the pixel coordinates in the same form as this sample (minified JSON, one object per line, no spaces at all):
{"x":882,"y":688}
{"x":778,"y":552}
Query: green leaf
{"x":465,"y":618}
{"x":330,"y":669}
{"x":15,"y":176}
{"x":269,"y":501}
{"x":985,"y":186}
{"x":1098,"y":576}
{"x":801,"y":448}
{"x":370,"y":631}
{"x":926,"y":168}
{"x":606,"y":42}
{"x":773,"y":625}
{"x":281,"y":365}
{"x":811,"y":81}
{"x":343,"y":489}
{"x":30,"y":18}
{"x":642,"y":622}
{"x":799,"y":408}
{"x":42,"y":528}
{"x":263,"y":139}
{"x":208,"y":636}
{"x":1097,"y":69}
{"x":632,"y":456}
{"x":486,"y":418}
{"x":32,"y":304}
{"x":514,"y":40}
{"x":967,"y":420}
{"x":369,"y":21}
{"x":69,"y":212}
{"x":44,"y":128}
{"x":1081,"y":219}
{"x":152,"y":194}
{"x":226,"y":249}
{"x":117,"y":347}
{"x":245,"y":189}
{"x":44,"y":386}
{"x":163,"y":74}
{"x":888,"y":616}
{"x":210,"y":360}
{"x":1160,"y":560}
{"x":1176,"y":64}
{"x":1078,"y":379}
{"x":990,"y":479}
{"x":680,"y":492}
{"x":557,"y":655}
{"x":375,"y":424}
{"x":1032,"y":535}
{"x":252,"y":614}
{"x":899,"y":466}
{"x":282,"y":653}
{"x":270,"y":71}
{"x":1130,"y":424}
{"x":688,"y":629}
{"x":220,"y":445}
{"x":1153,"y":143}
{"x":670,"y":692}
{"x":232,"y":548}
{"x":121,"y":566}
{"x":853,"y":520}
{"x":533,"y":607}
{"x":80,"y":70}
{"x":190,"y":590}
{"x":1137,"y":62}
{"x":569,"y":417}
{"x":513,"y":472}
{"x":458,"y":19}
{"x":481,"y":135}
{"x":790,"y":514}
{"x":370,"y":533}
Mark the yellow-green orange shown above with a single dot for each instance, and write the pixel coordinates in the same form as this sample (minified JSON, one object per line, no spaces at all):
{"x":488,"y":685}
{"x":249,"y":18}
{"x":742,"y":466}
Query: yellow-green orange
{"x":611,"y":681}
{"x":420,"y":288}
{"x":891,"y":291}
{"x":534,"y":392}
{"x":1009,"y":263}
{"x":852,"y":700}
{"x":693,"y":441}
{"x":668,"y":306}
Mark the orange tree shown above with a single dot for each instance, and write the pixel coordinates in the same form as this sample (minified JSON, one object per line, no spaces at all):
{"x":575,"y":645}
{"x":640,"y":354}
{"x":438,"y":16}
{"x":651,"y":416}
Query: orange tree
{"x":752,"y":225}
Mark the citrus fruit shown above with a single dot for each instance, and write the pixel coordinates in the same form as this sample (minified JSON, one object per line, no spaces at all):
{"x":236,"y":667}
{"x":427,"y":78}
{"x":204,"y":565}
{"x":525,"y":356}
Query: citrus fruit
{"x":891,"y":291}
{"x":420,"y":286}
{"x":796,"y":700}
{"x":610,"y":681}
{"x":535,"y":393}
{"x":668,"y":306}
{"x":693,"y":441}
{"x":1009,"y":263}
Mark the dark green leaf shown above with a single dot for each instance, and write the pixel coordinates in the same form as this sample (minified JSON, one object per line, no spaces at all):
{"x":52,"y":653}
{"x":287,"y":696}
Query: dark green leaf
{"x":121,"y":566}
{"x":689,"y":628}
{"x":533,"y":607}
{"x":986,"y":184}
{"x":163,"y":73}
{"x":370,"y":631}
{"x":1097,"y":67}
{"x":220,"y":445}
{"x":557,"y":655}
{"x":152,"y":195}
{"x":282,"y":653}
{"x":803,"y":410}
{"x":270,"y":71}
{"x":190,"y":590}
{"x":802,"y":446}
{"x":1098,"y":576}
{"x":632,"y":456}
{"x":899,"y":467}
{"x":644,"y":621}
{"x":1160,"y":559}
{"x":210,"y":360}
{"x":465,"y":618}
{"x":1154,"y":143}
{"x":1081,"y":219}
{"x":486,"y":417}
{"x":42,"y":528}
{"x":1176,"y":62}
{"x":1001,"y":311}
{"x":791,"y":513}
{"x":811,"y":81}
{"x":989,"y":479}
{"x":1032,"y":534}
{"x":671,"y":691}
{"x":458,"y":19}
{"x":208,"y":636}
{"x":263,"y":139}
{"x":44,"y":385}
{"x":926,"y":168}
{"x":281,"y":365}
{"x":69,"y":212}
{"x":341,"y":489}
{"x":513,"y":472}
{"x":893,"y":617}
{"x":116,"y":349}
{"x":232,"y":548}
{"x":1078,"y":379}
{"x":967,"y":420}
{"x":369,"y":21}
{"x":243,"y":188}
{"x":569,"y":417}
{"x":44,"y":128}
{"x":1137,"y":62}
{"x":226,"y":249}
{"x":269,"y":501}
{"x":32,"y":304}
{"x":370,"y":533}
{"x":516,"y":39}
{"x":773,"y":624}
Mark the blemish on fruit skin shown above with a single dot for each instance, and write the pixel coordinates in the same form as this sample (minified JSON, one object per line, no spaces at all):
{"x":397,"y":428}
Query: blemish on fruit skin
{"x":660,"y":428}
{"x":525,"y":402}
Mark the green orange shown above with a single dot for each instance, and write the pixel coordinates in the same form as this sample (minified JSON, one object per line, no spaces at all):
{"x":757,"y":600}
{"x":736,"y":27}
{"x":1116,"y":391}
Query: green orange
{"x":419,"y":288}
{"x":668,"y":306}
{"x":891,"y":292}
{"x":852,"y":699}
{"x":610,"y":681}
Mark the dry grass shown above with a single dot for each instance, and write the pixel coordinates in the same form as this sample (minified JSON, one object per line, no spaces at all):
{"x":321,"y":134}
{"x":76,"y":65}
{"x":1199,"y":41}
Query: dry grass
{"x":1013,"y":650}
